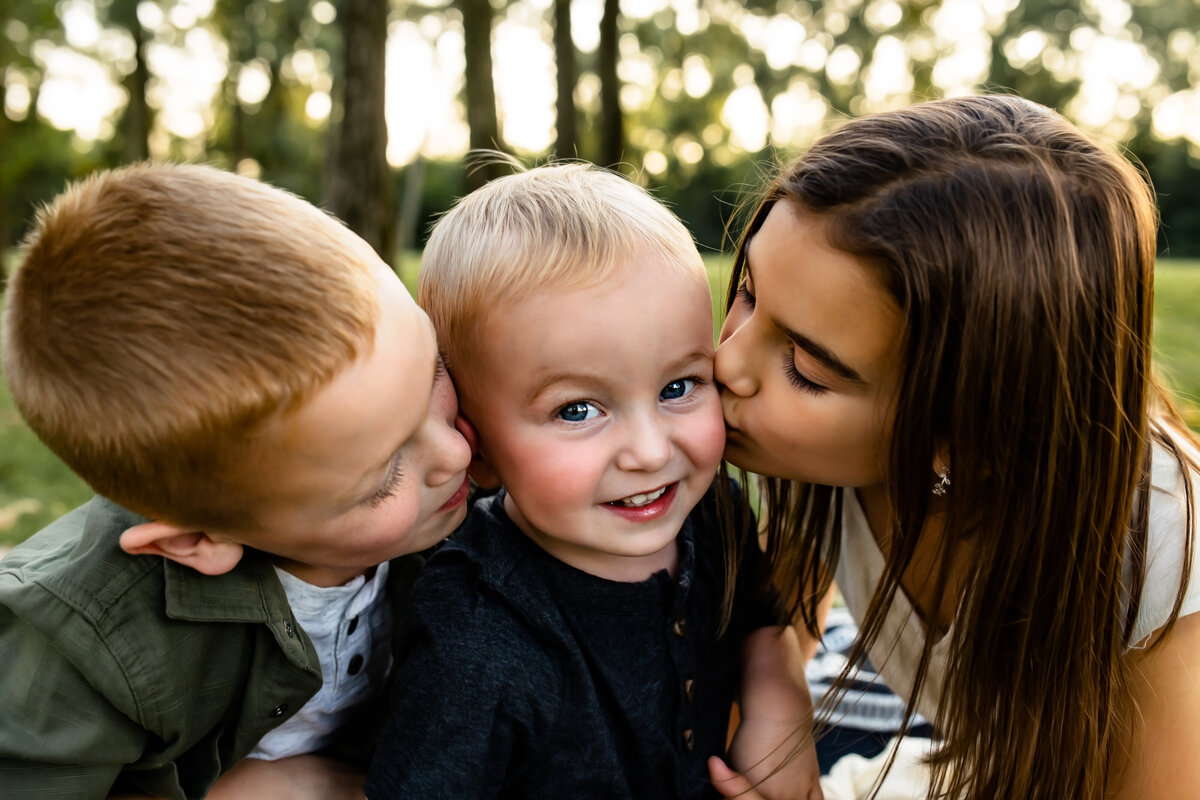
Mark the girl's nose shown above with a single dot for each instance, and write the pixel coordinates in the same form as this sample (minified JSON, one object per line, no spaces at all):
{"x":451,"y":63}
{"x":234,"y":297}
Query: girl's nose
{"x":732,"y":366}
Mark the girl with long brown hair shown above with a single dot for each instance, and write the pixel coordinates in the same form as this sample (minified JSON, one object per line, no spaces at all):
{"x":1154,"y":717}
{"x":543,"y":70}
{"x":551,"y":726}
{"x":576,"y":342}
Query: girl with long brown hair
{"x":938,"y":356}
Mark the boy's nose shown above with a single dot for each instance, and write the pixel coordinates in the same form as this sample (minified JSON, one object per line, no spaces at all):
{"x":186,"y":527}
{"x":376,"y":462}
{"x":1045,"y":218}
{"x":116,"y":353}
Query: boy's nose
{"x":452,"y":453}
{"x":647,"y":447}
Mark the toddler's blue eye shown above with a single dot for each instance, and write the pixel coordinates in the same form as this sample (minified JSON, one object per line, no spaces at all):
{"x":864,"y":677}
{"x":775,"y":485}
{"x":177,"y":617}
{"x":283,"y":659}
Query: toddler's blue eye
{"x":578,"y":412}
{"x":676,"y":389}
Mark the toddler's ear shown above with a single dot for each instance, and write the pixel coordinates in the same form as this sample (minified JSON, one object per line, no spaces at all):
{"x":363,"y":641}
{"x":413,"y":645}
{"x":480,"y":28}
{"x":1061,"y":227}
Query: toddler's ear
{"x":195,"y":549}
{"x":480,"y":470}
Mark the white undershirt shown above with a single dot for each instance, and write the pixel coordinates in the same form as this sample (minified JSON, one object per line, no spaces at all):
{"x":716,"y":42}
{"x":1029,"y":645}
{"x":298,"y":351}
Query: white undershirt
{"x":351,"y":629}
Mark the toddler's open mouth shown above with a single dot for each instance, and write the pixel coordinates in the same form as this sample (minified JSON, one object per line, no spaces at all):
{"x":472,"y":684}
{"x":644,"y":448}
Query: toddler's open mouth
{"x":639,"y":500}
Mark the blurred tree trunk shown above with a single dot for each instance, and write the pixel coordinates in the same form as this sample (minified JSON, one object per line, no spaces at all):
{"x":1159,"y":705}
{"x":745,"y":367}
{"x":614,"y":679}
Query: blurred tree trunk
{"x":135,"y":122}
{"x":482,"y":118}
{"x":137,"y":114}
{"x":359,"y":190}
{"x":608,"y":53}
{"x":566,"y":143}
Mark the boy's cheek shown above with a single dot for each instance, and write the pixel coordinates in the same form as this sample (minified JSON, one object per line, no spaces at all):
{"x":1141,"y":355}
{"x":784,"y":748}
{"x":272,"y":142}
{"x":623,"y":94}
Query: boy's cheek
{"x":710,"y":439}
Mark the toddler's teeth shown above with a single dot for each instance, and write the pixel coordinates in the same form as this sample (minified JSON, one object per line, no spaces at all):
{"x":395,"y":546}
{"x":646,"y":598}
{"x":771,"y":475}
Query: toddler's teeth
{"x":634,"y":501}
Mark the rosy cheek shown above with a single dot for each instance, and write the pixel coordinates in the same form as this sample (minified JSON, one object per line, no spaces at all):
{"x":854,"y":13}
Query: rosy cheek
{"x":710,"y":437}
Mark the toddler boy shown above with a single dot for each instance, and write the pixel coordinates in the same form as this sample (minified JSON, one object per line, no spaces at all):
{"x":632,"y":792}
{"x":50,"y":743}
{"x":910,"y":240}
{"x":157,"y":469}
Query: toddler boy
{"x":567,"y":641}
{"x":260,"y":407}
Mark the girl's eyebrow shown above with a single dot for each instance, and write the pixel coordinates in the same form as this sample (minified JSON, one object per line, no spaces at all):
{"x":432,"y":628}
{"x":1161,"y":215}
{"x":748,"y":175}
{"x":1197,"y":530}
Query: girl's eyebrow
{"x":821,"y":354}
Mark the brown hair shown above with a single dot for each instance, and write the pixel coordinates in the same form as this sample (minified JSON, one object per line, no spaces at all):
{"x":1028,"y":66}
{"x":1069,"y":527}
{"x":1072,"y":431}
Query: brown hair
{"x":564,"y":226}
{"x":1021,"y":256}
{"x":160,"y":312}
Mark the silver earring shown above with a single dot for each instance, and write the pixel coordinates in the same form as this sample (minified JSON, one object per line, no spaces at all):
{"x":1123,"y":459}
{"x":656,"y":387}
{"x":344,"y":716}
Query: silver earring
{"x":943,"y":483}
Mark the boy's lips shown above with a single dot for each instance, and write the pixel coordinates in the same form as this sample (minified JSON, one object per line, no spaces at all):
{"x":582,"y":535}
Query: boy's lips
{"x":650,"y":505}
{"x":458,"y":497}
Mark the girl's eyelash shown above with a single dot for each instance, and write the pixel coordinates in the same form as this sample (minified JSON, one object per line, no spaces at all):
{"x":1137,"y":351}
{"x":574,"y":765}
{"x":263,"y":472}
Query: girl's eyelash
{"x":743,"y":289}
{"x":390,"y":484}
{"x":797,"y":379}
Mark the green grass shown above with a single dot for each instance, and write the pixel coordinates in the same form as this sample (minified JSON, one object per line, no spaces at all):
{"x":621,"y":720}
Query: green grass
{"x":35,"y":487}
{"x":1177,"y":332}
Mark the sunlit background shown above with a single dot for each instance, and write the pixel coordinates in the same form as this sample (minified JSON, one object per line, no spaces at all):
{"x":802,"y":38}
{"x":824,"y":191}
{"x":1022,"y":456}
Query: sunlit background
{"x":1118,"y":77}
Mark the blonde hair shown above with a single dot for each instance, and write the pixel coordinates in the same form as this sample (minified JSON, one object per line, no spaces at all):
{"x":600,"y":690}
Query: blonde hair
{"x":562,"y":226}
{"x":160,"y":312}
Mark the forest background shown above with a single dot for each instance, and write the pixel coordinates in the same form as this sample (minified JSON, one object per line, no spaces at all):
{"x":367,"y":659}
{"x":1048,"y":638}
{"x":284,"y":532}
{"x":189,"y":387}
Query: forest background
{"x":369,"y":107}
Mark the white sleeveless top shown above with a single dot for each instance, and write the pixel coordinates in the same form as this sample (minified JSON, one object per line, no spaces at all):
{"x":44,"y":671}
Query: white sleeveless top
{"x":897,"y":650}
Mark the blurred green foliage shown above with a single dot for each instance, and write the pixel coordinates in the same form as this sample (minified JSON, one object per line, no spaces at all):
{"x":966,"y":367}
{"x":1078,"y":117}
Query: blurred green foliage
{"x":703,"y":173}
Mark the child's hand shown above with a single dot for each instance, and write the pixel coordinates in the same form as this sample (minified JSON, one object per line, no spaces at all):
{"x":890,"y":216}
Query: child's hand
{"x":759,"y":747}
{"x":733,"y":784}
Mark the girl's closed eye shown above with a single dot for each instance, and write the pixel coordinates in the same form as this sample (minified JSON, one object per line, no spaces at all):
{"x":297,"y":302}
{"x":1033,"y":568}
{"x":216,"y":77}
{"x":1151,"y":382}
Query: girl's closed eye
{"x":577,"y":411}
{"x":797,"y":378}
{"x":745,"y":289}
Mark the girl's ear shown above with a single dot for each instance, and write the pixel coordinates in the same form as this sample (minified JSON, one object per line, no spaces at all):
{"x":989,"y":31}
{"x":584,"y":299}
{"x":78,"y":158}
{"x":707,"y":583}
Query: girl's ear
{"x":480,"y":468}
{"x":195,"y":549}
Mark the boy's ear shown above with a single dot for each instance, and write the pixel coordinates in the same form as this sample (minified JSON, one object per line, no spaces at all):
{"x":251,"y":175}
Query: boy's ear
{"x":480,"y":469}
{"x":195,"y":549}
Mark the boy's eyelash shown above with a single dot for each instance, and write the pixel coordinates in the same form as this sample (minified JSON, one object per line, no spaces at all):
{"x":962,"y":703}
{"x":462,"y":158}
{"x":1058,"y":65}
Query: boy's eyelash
{"x":390,"y":484}
{"x":797,"y":379}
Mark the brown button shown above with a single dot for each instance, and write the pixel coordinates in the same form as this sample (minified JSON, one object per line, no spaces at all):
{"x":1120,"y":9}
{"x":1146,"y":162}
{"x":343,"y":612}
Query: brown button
{"x":689,"y":740}
{"x":278,"y":711}
{"x":352,"y":626}
{"x":680,"y":626}
{"x":356,"y":662}
{"x":687,"y":689}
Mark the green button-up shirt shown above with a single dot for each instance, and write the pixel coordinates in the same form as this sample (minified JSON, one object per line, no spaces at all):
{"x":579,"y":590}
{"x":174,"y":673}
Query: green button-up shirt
{"x":134,"y":672}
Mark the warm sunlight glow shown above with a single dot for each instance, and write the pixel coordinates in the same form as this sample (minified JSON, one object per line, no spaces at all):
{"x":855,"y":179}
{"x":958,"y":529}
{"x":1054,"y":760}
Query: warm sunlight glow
{"x":187,"y":79}
{"x":524,"y":65}
{"x":746,"y":115}
{"x":797,"y":114}
{"x":76,"y":93}
{"x":423,"y":80}
{"x":1118,"y":78}
{"x":253,"y":82}
{"x":318,"y":105}
{"x":1179,"y":117}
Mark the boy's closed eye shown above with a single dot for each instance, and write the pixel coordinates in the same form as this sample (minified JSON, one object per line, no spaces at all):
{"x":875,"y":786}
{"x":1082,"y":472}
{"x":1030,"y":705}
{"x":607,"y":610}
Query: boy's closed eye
{"x":391,"y":482}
